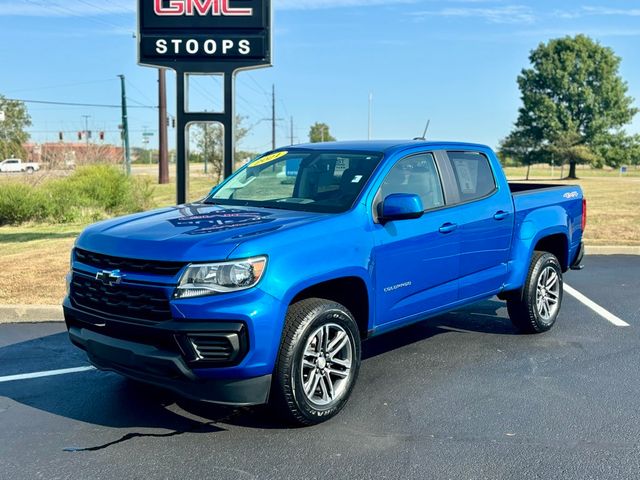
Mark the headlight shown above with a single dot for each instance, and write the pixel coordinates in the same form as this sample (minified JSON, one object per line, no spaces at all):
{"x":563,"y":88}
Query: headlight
{"x":211,"y":278}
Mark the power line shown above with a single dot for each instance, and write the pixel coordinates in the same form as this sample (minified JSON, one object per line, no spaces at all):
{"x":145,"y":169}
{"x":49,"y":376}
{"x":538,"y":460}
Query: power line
{"x":60,"y":86}
{"x":73,"y":13}
{"x":72,"y":104}
{"x":144,"y":95}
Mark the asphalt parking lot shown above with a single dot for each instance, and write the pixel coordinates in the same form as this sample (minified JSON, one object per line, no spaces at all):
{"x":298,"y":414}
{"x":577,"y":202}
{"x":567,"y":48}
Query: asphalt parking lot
{"x":458,"y":396}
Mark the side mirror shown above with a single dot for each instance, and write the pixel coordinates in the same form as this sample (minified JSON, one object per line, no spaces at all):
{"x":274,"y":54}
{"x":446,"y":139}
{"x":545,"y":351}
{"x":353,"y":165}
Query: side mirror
{"x":401,"y":206}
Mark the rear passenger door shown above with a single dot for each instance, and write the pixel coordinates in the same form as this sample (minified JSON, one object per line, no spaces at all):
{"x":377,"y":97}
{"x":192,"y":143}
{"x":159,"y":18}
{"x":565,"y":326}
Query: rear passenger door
{"x":485,"y":214}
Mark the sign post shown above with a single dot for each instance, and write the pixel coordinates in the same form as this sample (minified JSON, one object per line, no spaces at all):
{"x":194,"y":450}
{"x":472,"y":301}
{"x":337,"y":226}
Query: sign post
{"x":204,"y":37}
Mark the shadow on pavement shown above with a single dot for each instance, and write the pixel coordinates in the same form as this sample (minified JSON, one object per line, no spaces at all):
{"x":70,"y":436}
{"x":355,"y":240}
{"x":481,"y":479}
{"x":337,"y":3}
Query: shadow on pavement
{"x":106,"y":399}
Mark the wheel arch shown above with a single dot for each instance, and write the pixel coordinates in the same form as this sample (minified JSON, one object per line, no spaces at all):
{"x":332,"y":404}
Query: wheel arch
{"x":351,"y":291}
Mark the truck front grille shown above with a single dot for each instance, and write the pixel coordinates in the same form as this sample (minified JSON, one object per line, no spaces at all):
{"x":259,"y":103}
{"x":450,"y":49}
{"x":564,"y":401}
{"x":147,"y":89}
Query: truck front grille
{"x":125,"y":301}
{"x":108,"y":262}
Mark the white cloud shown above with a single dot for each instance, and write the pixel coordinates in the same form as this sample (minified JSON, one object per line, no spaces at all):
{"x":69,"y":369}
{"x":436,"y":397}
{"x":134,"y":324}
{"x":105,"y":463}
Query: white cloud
{"x":65,"y":8}
{"x":595,"y":11}
{"x":325,"y":4}
{"x":509,"y":14}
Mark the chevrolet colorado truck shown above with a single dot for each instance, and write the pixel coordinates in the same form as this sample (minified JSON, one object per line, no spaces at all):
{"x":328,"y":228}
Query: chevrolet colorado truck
{"x":263,"y":291}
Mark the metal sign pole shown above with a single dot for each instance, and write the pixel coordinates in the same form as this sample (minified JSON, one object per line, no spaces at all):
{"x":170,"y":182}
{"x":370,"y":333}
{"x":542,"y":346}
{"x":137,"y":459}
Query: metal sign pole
{"x":224,"y":36}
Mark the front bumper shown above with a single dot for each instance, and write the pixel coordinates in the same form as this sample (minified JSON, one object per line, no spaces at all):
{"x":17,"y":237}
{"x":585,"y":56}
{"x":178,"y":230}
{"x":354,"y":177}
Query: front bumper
{"x":162,"y":353}
{"x":167,"y":369}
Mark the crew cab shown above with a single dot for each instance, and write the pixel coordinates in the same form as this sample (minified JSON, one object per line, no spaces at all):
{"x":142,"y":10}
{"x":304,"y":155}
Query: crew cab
{"x":16,"y":165}
{"x":263,"y":291}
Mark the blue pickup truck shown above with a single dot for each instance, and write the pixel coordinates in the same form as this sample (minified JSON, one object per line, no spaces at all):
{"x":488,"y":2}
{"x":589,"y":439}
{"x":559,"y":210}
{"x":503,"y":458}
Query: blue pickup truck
{"x":263,"y":291}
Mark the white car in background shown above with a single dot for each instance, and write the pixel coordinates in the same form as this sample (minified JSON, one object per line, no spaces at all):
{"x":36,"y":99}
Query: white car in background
{"x":16,"y":165}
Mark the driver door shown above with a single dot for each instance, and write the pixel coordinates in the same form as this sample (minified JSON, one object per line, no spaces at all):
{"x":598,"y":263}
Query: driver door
{"x":416,"y":261}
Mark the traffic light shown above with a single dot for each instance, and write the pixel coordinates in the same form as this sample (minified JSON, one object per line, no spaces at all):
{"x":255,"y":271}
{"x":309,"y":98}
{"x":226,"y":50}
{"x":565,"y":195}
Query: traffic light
{"x":102,"y":136}
{"x":61,"y":136}
{"x":79,"y":135}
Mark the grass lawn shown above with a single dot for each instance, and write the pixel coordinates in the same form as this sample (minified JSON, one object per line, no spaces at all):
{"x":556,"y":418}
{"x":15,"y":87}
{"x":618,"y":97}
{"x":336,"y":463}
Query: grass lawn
{"x":35,"y":258}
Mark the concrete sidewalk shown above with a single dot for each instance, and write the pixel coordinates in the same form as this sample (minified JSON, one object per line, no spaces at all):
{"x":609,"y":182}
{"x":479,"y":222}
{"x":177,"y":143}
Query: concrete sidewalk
{"x":30,"y":313}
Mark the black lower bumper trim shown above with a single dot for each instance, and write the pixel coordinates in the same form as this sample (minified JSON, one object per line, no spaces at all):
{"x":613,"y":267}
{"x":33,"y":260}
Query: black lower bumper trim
{"x":166,"y":369}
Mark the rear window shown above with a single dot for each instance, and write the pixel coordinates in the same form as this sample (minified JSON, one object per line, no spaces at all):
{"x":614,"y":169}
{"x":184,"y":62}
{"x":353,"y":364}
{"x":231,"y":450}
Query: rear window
{"x":473,"y":173}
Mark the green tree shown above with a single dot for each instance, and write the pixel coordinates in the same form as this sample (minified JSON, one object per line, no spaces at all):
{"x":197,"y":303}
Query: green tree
{"x":521,"y":149}
{"x":12,"y":130}
{"x":319,"y":132}
{"x":574,"y":102}
{"x":618,"y":149}
{"x":209,"y":143}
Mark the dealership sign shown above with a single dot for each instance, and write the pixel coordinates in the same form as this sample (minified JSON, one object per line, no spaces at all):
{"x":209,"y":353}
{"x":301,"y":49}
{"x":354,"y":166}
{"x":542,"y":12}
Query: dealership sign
{"x":188,"y":35}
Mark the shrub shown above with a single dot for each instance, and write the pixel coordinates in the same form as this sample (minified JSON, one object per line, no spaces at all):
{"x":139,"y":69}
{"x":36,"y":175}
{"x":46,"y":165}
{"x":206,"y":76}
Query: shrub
{"x":91,"y":193}
{"x":21,"y":203}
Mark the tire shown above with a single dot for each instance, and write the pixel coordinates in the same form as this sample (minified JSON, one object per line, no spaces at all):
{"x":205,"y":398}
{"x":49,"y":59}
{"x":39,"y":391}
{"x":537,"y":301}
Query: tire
{"x":312,"y":382}
{"x":536,"y":310}
{"x":30,"y":170}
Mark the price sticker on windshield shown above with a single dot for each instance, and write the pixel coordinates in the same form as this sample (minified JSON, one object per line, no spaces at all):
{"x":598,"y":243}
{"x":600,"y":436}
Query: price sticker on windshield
{"x":268,"y":159}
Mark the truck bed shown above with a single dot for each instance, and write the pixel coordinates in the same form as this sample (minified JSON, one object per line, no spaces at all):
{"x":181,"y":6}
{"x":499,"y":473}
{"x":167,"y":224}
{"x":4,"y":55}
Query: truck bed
{"x":528,"y":187}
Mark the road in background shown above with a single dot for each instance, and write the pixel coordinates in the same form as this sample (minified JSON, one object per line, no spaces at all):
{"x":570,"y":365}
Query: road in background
{"x":457,"y":396}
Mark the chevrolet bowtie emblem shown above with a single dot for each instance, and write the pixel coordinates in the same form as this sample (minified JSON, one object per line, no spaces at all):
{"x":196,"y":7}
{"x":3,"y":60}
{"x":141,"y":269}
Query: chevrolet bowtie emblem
{"x":109,"y":278}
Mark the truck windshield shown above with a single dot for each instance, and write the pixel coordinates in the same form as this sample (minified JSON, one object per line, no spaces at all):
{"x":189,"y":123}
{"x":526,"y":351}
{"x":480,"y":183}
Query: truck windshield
{"x":306,"y":180}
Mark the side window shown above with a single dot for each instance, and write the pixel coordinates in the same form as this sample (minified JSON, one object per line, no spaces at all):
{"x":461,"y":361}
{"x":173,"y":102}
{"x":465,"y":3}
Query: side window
{"x":418,"y":175}
{"x":473,"y":175}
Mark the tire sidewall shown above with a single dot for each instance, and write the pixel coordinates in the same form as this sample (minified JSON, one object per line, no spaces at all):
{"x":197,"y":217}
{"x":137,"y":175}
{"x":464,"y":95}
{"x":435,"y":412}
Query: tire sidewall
{"x":546,"y":260}
{"x":331,"y":314}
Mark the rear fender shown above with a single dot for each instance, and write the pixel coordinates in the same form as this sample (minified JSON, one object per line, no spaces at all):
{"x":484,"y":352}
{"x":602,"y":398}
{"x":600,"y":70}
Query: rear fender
{"x":530,"y":230}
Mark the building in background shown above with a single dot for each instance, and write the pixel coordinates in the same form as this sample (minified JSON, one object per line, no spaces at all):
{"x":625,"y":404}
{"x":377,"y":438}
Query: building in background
{"x":69,"y":155}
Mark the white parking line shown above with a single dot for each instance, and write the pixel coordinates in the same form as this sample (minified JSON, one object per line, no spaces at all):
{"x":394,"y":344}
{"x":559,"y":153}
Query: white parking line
{"x":595,"y":307}
{"x":50,"y":373}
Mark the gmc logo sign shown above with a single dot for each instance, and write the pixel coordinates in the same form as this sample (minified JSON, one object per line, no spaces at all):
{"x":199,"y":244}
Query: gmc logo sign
{"x":177,"y":8}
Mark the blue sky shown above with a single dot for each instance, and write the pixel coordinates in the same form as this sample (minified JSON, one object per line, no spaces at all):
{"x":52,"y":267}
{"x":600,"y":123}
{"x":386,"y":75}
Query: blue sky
{"x":454,"y":62}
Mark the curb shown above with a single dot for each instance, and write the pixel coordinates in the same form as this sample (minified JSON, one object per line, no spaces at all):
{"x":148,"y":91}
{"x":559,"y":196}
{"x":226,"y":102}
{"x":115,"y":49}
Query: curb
{"x":611,"y":250}
{"x":53,"y":313}
{"x":30,"y":313}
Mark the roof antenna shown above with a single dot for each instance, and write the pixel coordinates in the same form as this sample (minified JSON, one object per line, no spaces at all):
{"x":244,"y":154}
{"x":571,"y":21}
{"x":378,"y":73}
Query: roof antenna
{"x":426,"y":129}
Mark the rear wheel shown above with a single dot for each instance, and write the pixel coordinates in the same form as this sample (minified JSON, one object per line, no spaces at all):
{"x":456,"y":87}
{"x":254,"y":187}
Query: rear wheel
{"x":318,"y":362}
{"x":536,"y":310}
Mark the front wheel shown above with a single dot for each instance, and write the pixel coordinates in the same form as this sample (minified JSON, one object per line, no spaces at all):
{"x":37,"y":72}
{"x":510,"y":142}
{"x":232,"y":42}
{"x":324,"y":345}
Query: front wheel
{"x":536,"y":310}
{"x":318,"y":362}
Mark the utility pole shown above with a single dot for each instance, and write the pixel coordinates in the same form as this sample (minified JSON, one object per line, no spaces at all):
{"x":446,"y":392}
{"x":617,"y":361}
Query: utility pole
{"x":370,"y":114}
{"x":206,"y":147}
{"x":292,"y":130}
{"x":125,"y":127}
{"x":86,"y":129}
{"x":273,"y":117}
{"x":163,"y":146}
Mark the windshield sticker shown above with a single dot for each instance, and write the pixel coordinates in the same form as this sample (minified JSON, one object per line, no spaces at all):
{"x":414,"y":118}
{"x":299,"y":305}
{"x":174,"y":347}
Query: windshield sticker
{"x":268,"y":159}
{"x":356,"y":179}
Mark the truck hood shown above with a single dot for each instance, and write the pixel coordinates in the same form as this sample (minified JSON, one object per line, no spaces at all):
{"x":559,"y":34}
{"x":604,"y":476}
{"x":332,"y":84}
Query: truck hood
{"x":189,"y":233}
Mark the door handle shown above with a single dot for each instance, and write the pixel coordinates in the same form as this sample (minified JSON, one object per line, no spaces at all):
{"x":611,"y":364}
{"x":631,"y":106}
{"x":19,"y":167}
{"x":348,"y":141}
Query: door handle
{"x":501,"y":215}
{"x":448,"y":228}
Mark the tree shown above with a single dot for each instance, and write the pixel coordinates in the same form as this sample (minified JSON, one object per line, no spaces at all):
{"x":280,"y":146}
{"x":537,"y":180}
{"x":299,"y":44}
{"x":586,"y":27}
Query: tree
{"x":319,"y":133}
{"x":619,"y":149}
{"x":574,"y":101}
{"x":209,"y":142}
{"x":12,"y":130}
{"x":522,"y":149}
